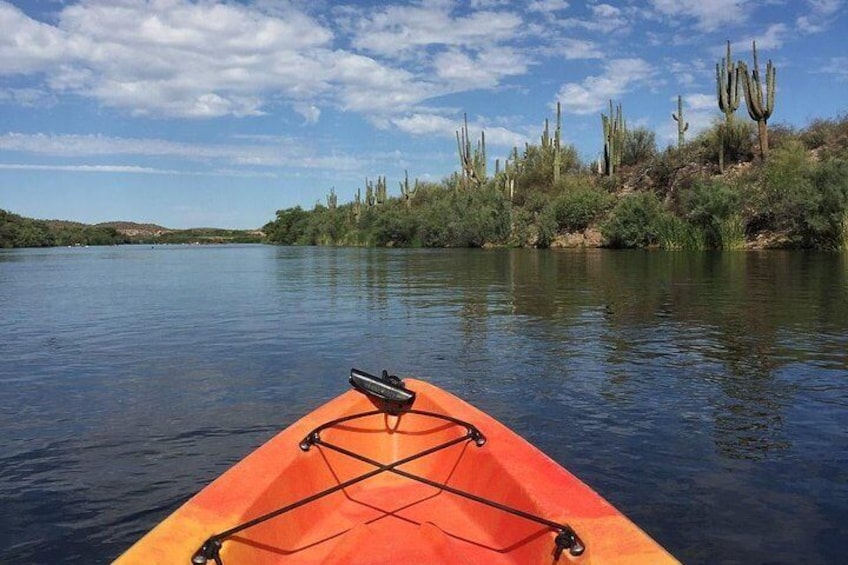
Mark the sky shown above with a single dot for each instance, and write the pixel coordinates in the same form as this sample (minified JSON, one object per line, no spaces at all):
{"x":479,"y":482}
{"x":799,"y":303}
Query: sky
{"x":217,"y":113}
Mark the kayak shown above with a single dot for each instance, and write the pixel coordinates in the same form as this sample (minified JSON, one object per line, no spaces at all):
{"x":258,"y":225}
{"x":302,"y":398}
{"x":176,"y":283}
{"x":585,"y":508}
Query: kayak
{"x":396,"y":471}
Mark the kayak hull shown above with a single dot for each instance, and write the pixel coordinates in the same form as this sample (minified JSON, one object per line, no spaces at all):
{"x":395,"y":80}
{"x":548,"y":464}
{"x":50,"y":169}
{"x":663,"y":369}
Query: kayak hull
{"x":390,"y":517}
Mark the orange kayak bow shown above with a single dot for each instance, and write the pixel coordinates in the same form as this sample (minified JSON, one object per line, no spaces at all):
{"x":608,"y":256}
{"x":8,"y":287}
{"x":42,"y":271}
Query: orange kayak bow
{"x":404,"y":473}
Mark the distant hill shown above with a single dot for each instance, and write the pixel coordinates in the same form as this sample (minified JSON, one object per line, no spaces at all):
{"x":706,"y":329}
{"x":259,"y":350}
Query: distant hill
{"x":133,"y":229}
{"x":19,"y":231}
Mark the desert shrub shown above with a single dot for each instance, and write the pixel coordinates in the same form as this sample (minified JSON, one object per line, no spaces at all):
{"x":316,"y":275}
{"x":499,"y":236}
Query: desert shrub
{"x":639,"y":146}
{"x":632,"y":222}
{"x":737,"y":137}
{"x":576,"y":209}
{"x":536,"y":168}
{"x":805,"y":199}
{"x":469,"y":218}
{"x":826,"y":132}
{"x":715,"y":206}
{"x":780,"y":135}
{"x":673,"y":232}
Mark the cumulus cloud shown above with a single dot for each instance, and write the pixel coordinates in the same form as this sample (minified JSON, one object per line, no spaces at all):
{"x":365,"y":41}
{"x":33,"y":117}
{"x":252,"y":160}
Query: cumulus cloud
{"x":397,"y":29}
{"x":178,"y":58}
{"x":591,"y":95}
{"x":820,"y":15}
{"x":708,"y":15}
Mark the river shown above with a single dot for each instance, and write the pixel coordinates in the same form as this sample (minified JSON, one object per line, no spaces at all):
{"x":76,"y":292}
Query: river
{"x":704,"y":394}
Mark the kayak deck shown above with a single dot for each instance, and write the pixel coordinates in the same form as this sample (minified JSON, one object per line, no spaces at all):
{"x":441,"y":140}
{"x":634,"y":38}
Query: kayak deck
{"x":391,"y":515}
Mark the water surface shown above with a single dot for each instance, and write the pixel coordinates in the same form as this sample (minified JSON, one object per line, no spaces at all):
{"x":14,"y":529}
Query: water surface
{"x":704,"y":394}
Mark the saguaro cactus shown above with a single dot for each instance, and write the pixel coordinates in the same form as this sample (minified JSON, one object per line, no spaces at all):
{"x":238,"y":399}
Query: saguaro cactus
{"x":380,"y":191}
{"x":727,"y":86}
{"x":406,"y":191}
{"x":614,"y":129}
{"x":332,"y":199}
{"x":682,"y":125}
{"x":370,"y":200}
{"x":759,"y":109}
{"x":357,"y":204}
{"x":473,"y":164}
{"x":554,"y":145}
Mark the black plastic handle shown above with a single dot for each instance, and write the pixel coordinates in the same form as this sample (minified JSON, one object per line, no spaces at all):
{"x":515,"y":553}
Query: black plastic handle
{"x":387,"y":388}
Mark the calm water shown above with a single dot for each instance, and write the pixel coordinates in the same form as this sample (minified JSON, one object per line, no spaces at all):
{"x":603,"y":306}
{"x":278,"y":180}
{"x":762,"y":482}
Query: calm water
{"x":706,"y":395}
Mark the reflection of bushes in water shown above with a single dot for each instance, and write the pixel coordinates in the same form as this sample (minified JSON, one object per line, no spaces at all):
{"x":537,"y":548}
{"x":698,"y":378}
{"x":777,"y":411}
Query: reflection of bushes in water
{"x":749,"y":422}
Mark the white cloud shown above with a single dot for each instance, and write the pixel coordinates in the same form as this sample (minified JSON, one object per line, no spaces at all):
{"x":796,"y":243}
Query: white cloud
{"x":547,"y":6}
{"x":25,"y":44}
{"x":709,"y":15}
{"x":425,"y":124}
{"x":271,"y":152}
{"x":700,"y":101}
{"x":605,"y":19}
{"x":591,"y":95}
{"x":771,"y":38}
{"x":127,"y":169}
{"x":397,"y":29}
{"x":483,"y":70}
{"x":837,"y":66}
{"x":821,"y":14}
{"x":27,"y":97}
{"x":435,"y":124}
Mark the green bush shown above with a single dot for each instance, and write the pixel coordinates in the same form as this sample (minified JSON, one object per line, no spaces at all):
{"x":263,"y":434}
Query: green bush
{"x":716,"y":208}
{"x":805,"y":199}
{"x":827,"y":133}
{"x":577,"y":209}
{"x":640,"y":146}
{"x":673,"y":232}
{"x":737,"y":138}
{"x":633,"y":221}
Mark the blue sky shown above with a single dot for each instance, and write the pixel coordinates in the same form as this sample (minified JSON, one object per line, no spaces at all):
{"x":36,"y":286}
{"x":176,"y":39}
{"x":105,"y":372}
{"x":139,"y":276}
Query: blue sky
{"x":214,"y":113}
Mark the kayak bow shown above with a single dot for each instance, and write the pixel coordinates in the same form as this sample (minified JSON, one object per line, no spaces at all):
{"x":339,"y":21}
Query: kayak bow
{"x":403,"y":472}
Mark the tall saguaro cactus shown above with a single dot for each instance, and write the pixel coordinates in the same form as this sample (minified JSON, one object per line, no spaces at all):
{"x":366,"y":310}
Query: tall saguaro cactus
{"x":357,"y":204}
{"x":682,"y":125}
{"x":406,"y":191}
{"x":473,"y":164}
{"x":614,"y":129}
{"x":727,"y":86}
{"x":380,"y":191}
{"x":370,"y":199}
{"x":332,"y":199}
{"x":554,"y":145}
{"x":759,"y":109}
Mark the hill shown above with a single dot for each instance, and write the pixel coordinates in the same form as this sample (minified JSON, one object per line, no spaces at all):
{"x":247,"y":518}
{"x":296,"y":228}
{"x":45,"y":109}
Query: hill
{"x":20,"y":231}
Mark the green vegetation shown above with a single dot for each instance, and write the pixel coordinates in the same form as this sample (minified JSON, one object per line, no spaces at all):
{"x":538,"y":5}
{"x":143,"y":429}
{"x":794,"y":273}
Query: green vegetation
{"x":18,"y":231}
{"x":673,"y":199}
{"x":719,"y":190}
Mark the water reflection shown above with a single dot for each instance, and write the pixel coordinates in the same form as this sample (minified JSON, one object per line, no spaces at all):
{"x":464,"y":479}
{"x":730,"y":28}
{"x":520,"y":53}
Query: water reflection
{"x":739,"y":318}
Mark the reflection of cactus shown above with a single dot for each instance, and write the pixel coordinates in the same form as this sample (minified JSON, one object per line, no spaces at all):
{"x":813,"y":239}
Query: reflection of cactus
{"x":473,"y":165}
{"x":614,"y":129}
{"x":727,"y":85}
{"x":682,"y":125}
{"x":332,"y":199}
{"x":759,"y":110}
{"x":406,"y":191}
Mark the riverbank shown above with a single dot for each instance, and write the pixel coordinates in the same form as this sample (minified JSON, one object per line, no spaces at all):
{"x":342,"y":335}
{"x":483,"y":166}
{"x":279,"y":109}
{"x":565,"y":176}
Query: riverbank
{"x":19,"y":231}
{"x":684,"y":197}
